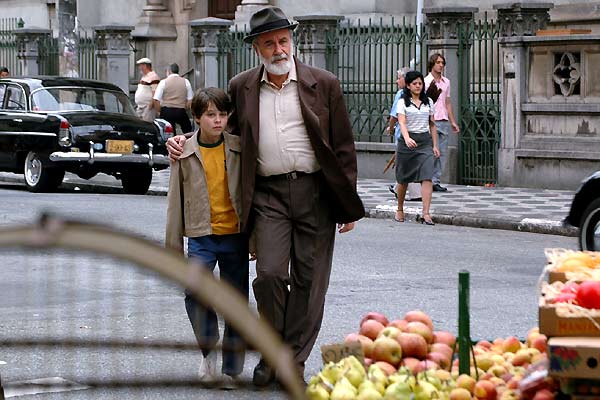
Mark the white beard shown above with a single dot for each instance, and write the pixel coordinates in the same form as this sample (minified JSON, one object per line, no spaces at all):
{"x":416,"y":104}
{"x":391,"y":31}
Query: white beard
{"x":279,"y":68}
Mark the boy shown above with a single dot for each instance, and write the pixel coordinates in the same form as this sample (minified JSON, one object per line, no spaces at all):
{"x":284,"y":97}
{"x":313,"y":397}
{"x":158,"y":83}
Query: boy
{"x":204,"y":204}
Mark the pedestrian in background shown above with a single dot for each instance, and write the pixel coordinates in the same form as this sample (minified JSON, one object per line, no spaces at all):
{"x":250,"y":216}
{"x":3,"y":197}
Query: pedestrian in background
{"x":437,"y":88}
{"x":4,"y":72}
{"x":172,"y":99}
{"x":204,"y":204}
{"x":414,"y":189}
{"x":145,"y":90}
{"x":417,"y":148}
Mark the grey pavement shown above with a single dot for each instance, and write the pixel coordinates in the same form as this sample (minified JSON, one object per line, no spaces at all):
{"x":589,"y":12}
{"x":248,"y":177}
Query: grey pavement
{"x":528,"y":210}
{"x":380,"y":266}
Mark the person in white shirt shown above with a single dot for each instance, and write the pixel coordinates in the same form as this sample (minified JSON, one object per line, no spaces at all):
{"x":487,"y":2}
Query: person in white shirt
{"x":172,"y":99}
{"x":145,"y":90}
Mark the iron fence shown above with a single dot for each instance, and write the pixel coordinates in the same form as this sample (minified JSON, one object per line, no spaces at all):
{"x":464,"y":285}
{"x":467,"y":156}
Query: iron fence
{"x":234,"y":55}
{"x":479,"y":99}
{"x":8,"y":45}
{"x":86,"y":55}
{"x":365,"y":59}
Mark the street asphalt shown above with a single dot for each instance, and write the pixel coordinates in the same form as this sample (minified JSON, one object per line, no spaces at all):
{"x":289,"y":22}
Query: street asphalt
{"x":520,"y":209}
{"x":381,"y":266}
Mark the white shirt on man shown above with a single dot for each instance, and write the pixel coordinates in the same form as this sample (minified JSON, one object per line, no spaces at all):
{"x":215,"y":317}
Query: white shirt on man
{"x":160,"y":91}
{"x":283,"y":145}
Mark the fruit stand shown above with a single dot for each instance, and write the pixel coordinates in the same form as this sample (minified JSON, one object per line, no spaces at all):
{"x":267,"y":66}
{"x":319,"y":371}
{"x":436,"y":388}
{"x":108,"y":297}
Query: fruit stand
{"x":408,"y":358}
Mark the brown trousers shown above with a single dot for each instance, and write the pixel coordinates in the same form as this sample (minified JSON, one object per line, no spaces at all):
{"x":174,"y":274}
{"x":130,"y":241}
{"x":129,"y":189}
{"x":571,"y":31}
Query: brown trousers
{"x":295,"y":235}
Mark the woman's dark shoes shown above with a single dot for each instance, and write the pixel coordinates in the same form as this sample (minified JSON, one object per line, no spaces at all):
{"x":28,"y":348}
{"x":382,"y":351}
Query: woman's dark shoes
{"x":392,"y":189}
{"x":425,"y":219}
{"x":439,"y":188}
{"x":263,"y":375}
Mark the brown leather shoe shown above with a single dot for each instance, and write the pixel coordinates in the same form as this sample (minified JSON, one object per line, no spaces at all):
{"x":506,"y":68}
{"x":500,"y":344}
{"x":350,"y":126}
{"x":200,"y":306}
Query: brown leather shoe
{"x":263,"y":374}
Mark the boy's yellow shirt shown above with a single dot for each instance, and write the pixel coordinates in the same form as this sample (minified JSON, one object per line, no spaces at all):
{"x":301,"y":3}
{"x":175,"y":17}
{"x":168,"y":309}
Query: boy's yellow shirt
{"x":223,"y":218}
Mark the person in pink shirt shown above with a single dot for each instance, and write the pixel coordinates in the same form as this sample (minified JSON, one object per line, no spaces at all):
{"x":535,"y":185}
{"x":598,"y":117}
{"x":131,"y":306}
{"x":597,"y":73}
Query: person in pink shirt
{"x":437,"y":88}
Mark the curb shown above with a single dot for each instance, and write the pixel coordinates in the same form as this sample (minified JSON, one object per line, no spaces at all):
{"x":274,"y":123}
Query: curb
{"x":525,"y":225}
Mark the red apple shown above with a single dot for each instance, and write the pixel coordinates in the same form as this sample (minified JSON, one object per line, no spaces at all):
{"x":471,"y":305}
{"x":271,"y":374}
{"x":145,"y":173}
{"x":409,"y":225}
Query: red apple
{"x":511,"y":345}
{"x":440,"y":359}
{"x":365,"y":343}
{"x":441,"y":348}
{"x":411,"y":363}
{"x":540,"y":343}
{"x":426,"y":364}
{"x":371,"y":329}
{"x":419,"y":316}
{"x":460,"y":394}
{"x":413,"y":345}
{"x":444,"y":337}
{"x":543,"y":394}
{"x":420,"y":329}
{"x":386,"y":367}
{"x":375,"y":316}
{"x":399,"y":323}
{"x":388,"y":350}
{"x":485,"y":390}
{"x":368,"y":362}
{"x":466,"y":382}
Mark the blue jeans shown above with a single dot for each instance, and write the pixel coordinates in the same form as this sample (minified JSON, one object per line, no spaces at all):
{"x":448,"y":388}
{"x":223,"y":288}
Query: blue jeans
{"x":231,"y":253}
{"x":444,"y":128}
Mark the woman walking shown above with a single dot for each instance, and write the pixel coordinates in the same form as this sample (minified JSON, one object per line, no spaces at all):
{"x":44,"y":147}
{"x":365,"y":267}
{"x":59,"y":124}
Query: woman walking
{"x":418,"y":145}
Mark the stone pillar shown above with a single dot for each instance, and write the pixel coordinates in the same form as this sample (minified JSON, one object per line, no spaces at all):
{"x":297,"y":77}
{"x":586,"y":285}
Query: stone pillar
{"x":156,"y":21}
{"x":522,"y":19}
{"x":443,"y":37}
{"x":28,"y":43}
{"x":244,"y":11}
{"x":207,"y":63}
{"x":113,"y":54}
{"x":312,"y":37}
{"x":516,"y":20}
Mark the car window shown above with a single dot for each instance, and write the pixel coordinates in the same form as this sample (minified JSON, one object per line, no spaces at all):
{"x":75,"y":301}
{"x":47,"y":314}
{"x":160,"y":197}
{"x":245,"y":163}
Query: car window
{"x":14,"y":99}
{"x":80,"y":99}
{"x":2,"y":92}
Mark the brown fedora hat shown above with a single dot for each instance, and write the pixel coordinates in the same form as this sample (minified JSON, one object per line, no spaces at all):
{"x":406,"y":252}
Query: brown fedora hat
{"x":266,"y":20}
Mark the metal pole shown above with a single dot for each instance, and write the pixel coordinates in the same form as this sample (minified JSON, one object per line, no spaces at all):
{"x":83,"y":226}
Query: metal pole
{"x":464,"y":324}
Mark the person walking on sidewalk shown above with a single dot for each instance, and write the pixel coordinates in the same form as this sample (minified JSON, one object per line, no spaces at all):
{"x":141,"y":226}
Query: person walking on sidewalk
{"x":414,"y":189}
{"x":298,"y":180}
{"x":418,"y":147}
{"x":204,"y":204}
{"x":172,"y":99}
{"x":145,"y":90}
{"x":437,"y":88}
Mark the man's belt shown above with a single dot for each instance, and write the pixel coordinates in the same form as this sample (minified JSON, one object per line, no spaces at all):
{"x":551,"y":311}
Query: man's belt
{"x":290,"y":176}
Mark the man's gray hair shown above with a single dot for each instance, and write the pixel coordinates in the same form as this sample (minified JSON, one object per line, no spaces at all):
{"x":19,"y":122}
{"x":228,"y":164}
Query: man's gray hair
{"x":402,"y":72}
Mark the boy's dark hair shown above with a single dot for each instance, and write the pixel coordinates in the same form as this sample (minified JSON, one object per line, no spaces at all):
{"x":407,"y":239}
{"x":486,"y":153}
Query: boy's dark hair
{"x":432,"y":60}
{"x":406,"y":94}
{"x":4,"y":69}
{"x":174,"y":68}
{"x":203,"y":97}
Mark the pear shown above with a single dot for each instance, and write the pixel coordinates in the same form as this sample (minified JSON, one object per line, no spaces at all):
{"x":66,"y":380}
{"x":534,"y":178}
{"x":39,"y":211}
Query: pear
{"x":332,"y":372}
{"x":354,"y":371}
{"x":316,"y":392}
{"x":378,"y":377}
{"x":425,"y":391}
{"x":398,"y":391}
{"x":343,"y":390}
{"x":369,"y":394}
{"x":367,"y":384}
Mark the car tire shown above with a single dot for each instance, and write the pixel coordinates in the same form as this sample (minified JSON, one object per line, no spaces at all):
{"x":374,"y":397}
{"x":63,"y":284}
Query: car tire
{"x":589,"y":227}
{"x":39,"y":176}
{"x":136,"y":181}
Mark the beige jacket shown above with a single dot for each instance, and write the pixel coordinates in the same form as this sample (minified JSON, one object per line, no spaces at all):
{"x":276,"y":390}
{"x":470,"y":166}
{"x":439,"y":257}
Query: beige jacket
{"x":188,"y":206}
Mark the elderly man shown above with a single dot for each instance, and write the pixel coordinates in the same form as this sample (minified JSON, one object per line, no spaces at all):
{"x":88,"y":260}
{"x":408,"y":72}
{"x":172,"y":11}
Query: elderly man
{"x":298,"y":181}
{"x":145,"y":90}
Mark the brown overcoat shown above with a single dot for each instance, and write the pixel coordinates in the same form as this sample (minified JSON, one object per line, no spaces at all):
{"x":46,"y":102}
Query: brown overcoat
{"x":328,"y":126}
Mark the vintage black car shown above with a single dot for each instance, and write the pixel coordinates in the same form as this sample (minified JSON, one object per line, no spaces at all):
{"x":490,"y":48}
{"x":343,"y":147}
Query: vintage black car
{"x":49,"y":125}
{"x":585,"y":213}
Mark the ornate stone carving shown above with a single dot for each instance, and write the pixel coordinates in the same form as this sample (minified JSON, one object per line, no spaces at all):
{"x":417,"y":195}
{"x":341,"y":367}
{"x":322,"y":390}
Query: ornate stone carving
{"x":205,"y":32}
{"x":566,"y":74}
{"x":522,"y":19}
{"x":444,"y":22}
{"x":113,"y":38}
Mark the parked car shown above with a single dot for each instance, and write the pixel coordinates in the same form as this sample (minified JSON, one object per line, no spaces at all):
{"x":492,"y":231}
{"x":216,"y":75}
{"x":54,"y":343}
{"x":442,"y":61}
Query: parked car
{"x":585,"y":213}
{"x":49,"y":125}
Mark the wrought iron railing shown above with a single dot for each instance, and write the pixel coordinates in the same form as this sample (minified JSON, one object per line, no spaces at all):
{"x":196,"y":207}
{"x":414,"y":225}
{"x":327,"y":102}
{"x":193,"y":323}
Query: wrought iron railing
{"x":8,"y":45}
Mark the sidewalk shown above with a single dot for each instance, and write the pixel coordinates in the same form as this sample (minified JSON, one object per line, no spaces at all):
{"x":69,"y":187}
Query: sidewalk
{"x":527,"y":210}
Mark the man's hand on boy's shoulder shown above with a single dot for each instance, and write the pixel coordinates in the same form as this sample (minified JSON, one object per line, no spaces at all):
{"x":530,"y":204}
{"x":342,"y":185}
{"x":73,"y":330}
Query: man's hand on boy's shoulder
{"x":175,"y":147}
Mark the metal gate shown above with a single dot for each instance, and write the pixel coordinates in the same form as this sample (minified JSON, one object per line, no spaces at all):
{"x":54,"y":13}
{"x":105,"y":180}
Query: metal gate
{"x":8,"y":45}
{"x":479,"y":102}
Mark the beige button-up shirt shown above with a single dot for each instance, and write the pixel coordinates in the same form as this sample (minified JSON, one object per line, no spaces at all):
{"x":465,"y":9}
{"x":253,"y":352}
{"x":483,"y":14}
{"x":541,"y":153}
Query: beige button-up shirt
{"x":284,"y":145}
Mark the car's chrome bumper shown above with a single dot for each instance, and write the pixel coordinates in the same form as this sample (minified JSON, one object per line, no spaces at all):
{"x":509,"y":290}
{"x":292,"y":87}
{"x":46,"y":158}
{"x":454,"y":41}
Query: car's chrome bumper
{"x":92,"y":157}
